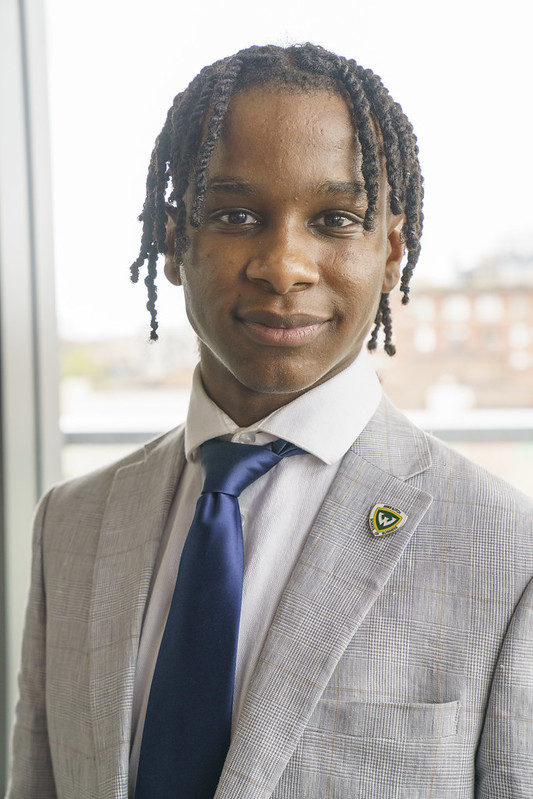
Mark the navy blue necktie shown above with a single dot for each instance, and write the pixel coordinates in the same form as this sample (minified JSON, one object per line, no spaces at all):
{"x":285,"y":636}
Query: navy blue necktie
{"x":188,"y":719}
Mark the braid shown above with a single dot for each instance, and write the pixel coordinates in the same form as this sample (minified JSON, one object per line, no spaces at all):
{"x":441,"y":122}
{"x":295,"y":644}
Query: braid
{"x":381,"y":102}
{"x":383,"y":317}
{"x":414,"y":194}
{"x":390,"y":349}
{"x":195,"y":123}
{"x":188,"y":133}
{"x":349,"y":74}
{"x":149,"y":282}
{"x":221,"y":96}
{"x":153,"y":235}
{"x":373,"y":341}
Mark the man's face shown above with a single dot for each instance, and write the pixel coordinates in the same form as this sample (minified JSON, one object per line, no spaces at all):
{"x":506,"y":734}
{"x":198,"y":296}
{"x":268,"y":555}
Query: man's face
{"x":281,"y":282}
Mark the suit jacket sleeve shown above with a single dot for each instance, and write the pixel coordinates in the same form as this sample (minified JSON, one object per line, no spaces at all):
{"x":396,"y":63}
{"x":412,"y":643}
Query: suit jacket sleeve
{"x":505,"y":757}
{"x":32,"y":774}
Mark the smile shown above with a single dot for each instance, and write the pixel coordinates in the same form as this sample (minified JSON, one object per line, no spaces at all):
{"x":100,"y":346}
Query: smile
{"x":280,"y":330}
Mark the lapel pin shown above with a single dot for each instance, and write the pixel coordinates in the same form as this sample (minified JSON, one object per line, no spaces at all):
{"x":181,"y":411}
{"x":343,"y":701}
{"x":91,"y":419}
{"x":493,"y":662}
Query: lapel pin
{"x":385,"y":520}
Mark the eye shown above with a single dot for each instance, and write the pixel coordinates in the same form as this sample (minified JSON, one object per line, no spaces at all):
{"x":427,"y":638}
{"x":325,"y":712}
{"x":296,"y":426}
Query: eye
{"x":336,"y":220}
{"x":340,"y":222}
{"x":236,"y":217}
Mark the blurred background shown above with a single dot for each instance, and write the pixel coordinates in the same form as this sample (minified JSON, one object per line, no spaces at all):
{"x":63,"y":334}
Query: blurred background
{"x":84,"y":90}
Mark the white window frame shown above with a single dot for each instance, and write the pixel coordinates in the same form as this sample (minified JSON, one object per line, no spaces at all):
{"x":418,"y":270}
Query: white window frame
{"x":29,"y":430}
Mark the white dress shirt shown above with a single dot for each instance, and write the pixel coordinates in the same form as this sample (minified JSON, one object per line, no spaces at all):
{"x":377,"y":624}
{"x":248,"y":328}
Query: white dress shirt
{"x":277,"y":511}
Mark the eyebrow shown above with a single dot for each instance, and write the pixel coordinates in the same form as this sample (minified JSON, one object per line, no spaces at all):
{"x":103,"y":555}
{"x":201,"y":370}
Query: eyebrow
{"x":223,"y":184}
{"x":232,"y":185}
{"x":354,"y":188}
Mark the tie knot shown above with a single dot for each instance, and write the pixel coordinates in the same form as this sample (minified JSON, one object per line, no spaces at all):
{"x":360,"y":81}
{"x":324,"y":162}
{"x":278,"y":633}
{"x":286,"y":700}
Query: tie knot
{"x":229,"y":468}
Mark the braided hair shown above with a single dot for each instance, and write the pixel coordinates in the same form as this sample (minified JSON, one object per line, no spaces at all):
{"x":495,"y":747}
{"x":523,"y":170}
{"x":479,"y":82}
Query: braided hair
{"x":194,"y":124}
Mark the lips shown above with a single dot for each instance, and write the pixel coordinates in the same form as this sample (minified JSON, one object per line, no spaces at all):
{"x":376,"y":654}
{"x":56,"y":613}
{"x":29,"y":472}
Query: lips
{"x":287,"y":330}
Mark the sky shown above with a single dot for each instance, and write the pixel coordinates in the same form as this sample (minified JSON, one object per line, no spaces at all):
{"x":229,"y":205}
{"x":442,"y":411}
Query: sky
{"x":461,"y":71}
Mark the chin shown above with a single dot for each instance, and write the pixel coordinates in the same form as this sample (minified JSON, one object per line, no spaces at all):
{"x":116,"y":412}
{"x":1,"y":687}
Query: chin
{"x":278,"y":380}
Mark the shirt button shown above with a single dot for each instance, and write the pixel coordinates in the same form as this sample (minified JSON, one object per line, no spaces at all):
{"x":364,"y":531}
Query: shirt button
{"x":247,"y":438}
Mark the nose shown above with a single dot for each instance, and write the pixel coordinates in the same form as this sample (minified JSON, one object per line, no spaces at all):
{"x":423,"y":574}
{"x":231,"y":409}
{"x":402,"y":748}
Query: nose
{"x":284,"y":261}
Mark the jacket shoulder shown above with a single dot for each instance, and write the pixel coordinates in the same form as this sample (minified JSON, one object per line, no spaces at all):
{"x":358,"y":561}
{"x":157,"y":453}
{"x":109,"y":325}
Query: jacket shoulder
{"x":394,"y":443}
{"x":87,"y":495}
{"x":461,"y":477}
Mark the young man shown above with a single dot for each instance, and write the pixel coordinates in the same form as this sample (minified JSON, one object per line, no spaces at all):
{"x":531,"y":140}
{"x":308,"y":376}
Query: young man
{"x":385,"y":635}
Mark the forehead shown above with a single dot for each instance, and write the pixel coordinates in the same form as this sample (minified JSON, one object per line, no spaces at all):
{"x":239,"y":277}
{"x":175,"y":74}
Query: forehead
{"x":294,"y":132}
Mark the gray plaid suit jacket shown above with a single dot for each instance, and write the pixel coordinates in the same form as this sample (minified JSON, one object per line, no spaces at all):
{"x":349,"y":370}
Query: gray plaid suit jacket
{"x":396,"y":668}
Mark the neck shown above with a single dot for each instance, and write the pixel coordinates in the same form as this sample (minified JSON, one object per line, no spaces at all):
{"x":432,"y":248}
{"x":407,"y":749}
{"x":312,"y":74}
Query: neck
{"x":244,"y":406}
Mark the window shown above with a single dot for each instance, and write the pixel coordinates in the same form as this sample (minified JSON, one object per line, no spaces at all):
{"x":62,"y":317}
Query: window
{"x":456,"y":308}
{"x":489,"y":308}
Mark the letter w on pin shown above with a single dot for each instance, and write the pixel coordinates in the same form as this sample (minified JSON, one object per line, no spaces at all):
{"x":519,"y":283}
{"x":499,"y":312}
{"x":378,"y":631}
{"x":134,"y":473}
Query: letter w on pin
{"x":384,"y":519}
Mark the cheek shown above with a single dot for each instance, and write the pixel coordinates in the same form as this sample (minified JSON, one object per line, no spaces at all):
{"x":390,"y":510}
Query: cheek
{"x":195,"y":286}
{"x":358,"y":278}
{"x":199,"y":277}
{"x":209,"y":291}
{"x":213,"y":268}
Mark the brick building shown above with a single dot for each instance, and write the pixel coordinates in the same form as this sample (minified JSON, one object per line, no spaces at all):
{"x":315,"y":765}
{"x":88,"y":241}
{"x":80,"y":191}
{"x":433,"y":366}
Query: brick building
{"x":470,"y":345}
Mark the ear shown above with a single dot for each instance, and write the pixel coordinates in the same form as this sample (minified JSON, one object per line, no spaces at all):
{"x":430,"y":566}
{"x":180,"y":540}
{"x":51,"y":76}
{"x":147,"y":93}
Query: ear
{"x":395,"y":252}
{"x":171,"y":267}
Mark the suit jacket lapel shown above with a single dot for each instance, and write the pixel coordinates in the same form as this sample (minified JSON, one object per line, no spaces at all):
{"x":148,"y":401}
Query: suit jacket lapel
{"x":137,"y":508}
{"x":337,"y":579}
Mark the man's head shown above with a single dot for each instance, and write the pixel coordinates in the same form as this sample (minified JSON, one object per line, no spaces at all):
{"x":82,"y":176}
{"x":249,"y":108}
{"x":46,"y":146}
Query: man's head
{"x":194,"y":124}
{"x":295,"y":188}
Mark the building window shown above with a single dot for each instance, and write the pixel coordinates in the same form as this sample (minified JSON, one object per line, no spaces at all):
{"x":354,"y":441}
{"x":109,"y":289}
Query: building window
{"x":424,"y":309}
{"x":456,"y":309}
{"x":519,"y":360}
{"x":425,"y":339}
{"x":489,"y":308}
{"x":519,"y":335}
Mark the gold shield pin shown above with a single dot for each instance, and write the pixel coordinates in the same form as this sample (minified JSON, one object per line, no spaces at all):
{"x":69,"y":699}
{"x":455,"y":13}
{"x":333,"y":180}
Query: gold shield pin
{"x":385,"y":519}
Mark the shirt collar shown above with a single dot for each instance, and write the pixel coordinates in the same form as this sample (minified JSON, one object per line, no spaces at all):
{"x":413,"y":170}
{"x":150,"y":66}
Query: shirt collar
{"x":324,"y":421}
